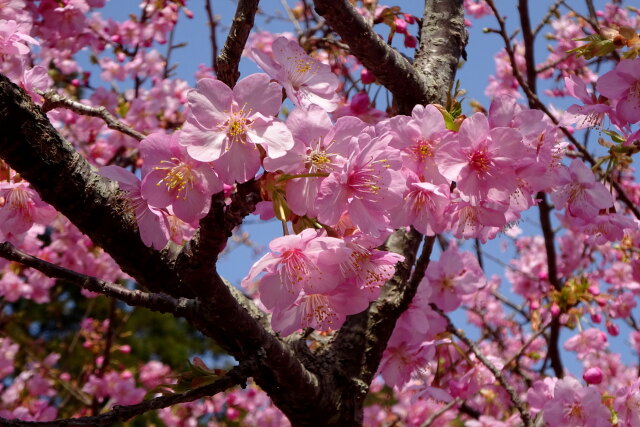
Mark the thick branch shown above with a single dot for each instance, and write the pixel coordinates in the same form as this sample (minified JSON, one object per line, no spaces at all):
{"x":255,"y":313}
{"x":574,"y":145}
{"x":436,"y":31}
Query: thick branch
{"x":181,"y":307}
{"x":235,"y":376}
{"x":230,"y":322}
{"x":391,"y":69}
{"x":229,"y":57}
{"x":442,"y":42}
{"x":358,"y":346}
{"x":64,"y":179}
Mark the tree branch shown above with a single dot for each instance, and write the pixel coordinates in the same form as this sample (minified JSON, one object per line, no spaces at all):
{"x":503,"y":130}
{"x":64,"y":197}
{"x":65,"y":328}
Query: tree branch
{"x":235,"y":376}
{"x":391,"y":69}
{"x":442,"y":42}
{"x":64,"y":179}
{"x":533,"y":98}
{"x":513,"y":395}
{"x":53,"y":100}
{"x":231,"y":52}
{"x":181,"y":307}
{"x":212,"y":35}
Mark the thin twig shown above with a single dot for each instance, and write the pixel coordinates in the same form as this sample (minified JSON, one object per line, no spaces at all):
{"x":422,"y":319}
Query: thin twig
{"x":440,"y":411}
{"x":213,"y":22}
{"x":531,"y":339}
{"x":154,"y":301}
{"x":539,"y":105}
{"x":513,"y":395}
{"x":53,"y":100}
{"x":292,"y":17}
{"x":235,"y":376}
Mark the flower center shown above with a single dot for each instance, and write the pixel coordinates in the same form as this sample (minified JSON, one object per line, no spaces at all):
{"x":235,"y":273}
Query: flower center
{"x":479,"y":161}
{"x":236,"y":126}
{"x":18,"y":199}
{"x":422,"y":149}
{"x":178,"y":176}
{"x":317,"y":307}
{"x":297,"y":268}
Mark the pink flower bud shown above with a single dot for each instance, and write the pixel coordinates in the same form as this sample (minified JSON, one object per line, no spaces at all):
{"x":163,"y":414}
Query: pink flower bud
{"x":593,"y":290}
{"x":409,"y":18}
{"x":596,"y":318}
{"x":410,"y":41}
{"x":534,"y":305}
{"x":367,"y":76}
{"x":233,"y":413}
{"x":125,"y":349}
{"x":593,"y":376}
{"x":613,"y":329}
{"x":555,"y":310}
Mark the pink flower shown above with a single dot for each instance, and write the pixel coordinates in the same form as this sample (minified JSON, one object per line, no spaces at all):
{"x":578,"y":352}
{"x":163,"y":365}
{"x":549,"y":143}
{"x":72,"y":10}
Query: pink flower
{"x":306,"y":80}
{"x":580,"y":192}
{"x":13,"y":38}
{"x":306,"y":261}
{"x":623,"y":304}
{"x":482,"y":222}
{"x":172,"y":177}
{"x":21,"y":207}
{"x":576,"y":406}
{"x":593,"y":109}
{"x":424,"y":207}
{"x":477,"y":8}
{"x":152,"y":222}
{"x":452,"y":276}
{"x":482,"y":161}
{"x":623,"y":84}
{"x":540,"y":393}
{"x":588,"y":341}
{"x":321,"y":311}
{"x":627,"y":405}
{"x":419,"y":138}
{"x":369,"y":268}
{"x":225,"y":125}
{"x":36,"y":78}
{"x":606,"y":228}
{"x":319,"y":148}
{"x":8,"y":352}
{"x":360,"y":107}
{"x":401,"y":359}
{"x":367,"y":187}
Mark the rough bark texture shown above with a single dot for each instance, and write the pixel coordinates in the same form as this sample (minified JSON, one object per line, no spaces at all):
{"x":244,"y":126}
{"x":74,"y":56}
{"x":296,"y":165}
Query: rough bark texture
{"x":442,"y":42}
{"x":64,"y":179}
{"x":391,"y":69}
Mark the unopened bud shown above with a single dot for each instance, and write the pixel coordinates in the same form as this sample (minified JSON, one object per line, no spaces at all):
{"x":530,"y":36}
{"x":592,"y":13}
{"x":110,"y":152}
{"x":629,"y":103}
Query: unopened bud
{"x":593,"y":376}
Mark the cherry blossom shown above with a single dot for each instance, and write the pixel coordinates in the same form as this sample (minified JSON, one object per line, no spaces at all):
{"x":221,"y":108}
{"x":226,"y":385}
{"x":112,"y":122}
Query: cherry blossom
{"x":306,"y":80}
{"x":225,"y":125}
